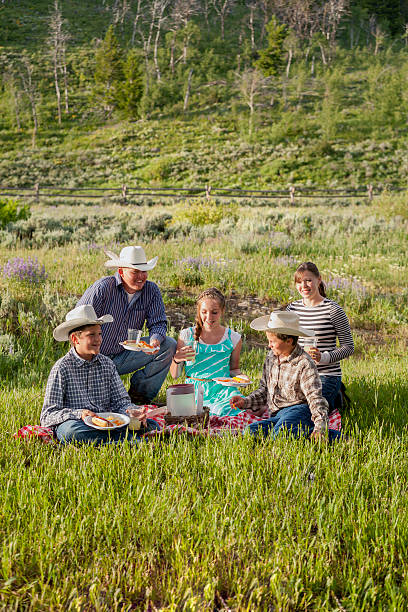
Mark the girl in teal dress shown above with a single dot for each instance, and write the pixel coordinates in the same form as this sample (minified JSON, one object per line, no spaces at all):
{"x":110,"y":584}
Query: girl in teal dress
{"x":209,"y":350}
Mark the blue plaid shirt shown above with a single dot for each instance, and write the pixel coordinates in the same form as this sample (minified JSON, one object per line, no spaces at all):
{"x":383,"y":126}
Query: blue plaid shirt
{"x":75,"y":384}
{"x":108,"y":296}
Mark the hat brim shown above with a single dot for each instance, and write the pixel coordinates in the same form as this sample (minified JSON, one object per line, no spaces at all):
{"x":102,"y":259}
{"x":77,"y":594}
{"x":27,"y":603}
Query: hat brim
{"x":118,"y":263}
{"x":62,"y":331}
{"x":261,"y":324}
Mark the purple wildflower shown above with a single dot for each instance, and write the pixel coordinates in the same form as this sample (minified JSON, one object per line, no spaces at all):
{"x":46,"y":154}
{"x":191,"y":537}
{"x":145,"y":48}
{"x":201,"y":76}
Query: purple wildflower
{"x":24,"y":270}
{"x":285,"y":260}
{"x":342,"y":284}
{"x":201,"y":263}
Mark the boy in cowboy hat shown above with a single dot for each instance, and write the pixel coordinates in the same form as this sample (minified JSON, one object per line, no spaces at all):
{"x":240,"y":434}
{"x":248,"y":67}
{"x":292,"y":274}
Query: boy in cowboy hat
{"x":132,"y":300}
{"x":83,"y":383}
{"x":290,"y":386}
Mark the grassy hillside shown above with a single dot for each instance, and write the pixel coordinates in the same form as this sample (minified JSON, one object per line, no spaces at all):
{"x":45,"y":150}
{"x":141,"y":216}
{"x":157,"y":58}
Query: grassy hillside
{"x":342,"y":122}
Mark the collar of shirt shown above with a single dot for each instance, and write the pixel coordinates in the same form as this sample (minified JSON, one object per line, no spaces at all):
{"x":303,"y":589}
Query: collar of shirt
{"x":79,"y":361}
{"x":297,"y":351}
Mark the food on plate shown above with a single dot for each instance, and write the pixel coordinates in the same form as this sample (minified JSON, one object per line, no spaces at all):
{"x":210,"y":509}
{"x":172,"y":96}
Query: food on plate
{"x":101,"y":422}
{"x":115,"y":420}
{"x":241,"y":378}
{"x":223,"y":379}
{"x":142,"y":344}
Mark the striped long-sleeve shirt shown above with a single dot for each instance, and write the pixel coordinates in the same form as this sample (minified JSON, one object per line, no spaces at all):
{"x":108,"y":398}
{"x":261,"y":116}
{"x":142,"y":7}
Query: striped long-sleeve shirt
{"x":108,"y":296}
{"x":329,"y":322}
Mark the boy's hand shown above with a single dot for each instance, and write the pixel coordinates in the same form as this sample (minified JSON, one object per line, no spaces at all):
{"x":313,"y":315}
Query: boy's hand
{"x":237,"y":401}
{"x":318,"y":435}
{"x":138,"y":413}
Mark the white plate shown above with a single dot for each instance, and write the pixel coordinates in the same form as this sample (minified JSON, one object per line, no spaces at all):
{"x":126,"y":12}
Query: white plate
{"x":130,"y":347}
{"x":229,"y":382}
{"x":105,"y":415}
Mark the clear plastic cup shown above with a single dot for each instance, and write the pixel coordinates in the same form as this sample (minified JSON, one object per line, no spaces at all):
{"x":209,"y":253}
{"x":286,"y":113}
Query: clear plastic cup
{"x":134,"y":336}
{"x":309,"y":343}
{"x":194,"y":347}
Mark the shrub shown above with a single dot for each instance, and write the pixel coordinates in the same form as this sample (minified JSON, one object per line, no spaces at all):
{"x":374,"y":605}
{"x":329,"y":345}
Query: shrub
{"x":12,"y":210}
{"x":205,"y":212}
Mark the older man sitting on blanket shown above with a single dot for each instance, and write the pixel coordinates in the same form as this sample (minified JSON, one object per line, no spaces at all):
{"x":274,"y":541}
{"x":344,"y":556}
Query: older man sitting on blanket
{"x":290,"y":386}
{"x":84,"y":383}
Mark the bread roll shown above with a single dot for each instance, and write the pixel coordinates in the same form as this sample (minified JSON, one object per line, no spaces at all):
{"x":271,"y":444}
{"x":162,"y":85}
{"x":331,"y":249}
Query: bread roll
{"x":100,"y":422}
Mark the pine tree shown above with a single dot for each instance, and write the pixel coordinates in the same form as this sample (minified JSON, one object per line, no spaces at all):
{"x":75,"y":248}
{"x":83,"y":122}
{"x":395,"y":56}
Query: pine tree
{"x":132,"y":89}
{"x":109,"y":74}
{"x":271,"y":59}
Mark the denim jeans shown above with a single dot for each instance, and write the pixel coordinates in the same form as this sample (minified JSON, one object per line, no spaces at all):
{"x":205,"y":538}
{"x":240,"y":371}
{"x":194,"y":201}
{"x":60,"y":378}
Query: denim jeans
{"x":78,"y":431}
{"x":330,"y":388}
{"x":149,"y":370}
{"x":296,"y":420}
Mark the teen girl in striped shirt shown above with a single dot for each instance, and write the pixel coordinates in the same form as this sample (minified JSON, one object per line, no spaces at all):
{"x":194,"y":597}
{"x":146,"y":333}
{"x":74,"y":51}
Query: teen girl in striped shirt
{"x":329,"y":323}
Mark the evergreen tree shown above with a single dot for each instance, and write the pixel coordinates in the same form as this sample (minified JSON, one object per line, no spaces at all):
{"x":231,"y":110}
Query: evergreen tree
{"x":109,"y":74}
{"x":271,"y":59}
{"x":132,"y":89}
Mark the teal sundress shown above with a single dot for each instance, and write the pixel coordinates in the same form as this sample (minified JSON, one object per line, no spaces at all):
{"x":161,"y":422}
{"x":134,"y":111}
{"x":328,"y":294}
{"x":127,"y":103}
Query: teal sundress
{"x":212,"y":361}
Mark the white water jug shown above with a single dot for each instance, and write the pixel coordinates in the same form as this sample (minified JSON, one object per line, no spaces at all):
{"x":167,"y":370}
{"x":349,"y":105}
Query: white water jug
{"x":180,"y":400}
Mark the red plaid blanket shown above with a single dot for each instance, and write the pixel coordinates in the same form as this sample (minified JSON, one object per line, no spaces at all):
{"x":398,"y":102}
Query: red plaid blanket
{"x":218,"y":426}
{"x":228,"y":424}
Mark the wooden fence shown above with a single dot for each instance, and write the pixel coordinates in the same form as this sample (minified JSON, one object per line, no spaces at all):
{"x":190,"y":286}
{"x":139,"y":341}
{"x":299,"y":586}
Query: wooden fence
{"x":125,"y":193}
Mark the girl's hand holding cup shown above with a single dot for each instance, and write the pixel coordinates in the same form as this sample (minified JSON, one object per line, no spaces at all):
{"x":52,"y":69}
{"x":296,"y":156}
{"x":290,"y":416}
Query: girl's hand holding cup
{"x":185,"y":353}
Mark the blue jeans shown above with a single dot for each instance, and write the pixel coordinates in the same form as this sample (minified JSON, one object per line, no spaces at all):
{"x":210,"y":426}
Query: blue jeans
{"x":330,"y":388}
{"x":296,"y":420}
{"x":150,"y":371}
{"x":78,"y":431}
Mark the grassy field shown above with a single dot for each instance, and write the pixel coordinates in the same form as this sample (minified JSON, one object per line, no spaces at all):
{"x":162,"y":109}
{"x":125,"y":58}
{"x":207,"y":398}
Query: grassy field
{"x":221,"y":524}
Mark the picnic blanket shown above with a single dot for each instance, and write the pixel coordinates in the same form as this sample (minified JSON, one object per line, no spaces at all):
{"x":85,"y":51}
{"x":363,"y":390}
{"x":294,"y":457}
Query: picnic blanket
{"x":234,"y":424}
{"x":217,"y":426}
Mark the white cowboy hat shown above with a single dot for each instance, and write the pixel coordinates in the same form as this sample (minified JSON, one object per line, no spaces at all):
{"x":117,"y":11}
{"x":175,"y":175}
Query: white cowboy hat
{"x":131,"y":257}
{"x":81,"y":315}
{"x":281,"y":322}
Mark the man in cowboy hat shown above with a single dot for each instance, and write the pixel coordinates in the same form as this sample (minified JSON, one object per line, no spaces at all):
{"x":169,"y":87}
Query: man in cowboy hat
{"x":84,"y":383}
{"x":133,"y":300}
{"x":290,"y":386}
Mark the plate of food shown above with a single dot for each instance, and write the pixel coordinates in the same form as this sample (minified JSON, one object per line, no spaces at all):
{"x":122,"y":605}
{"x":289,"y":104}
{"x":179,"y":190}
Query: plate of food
{"x":139,"y":346}
{"x":107,"y":421}
{"x":235,"y":381}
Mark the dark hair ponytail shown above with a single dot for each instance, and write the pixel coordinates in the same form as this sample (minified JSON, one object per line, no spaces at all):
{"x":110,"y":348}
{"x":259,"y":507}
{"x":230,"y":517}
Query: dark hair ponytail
{"x":213,"y":294}
{"x":309,"y":266}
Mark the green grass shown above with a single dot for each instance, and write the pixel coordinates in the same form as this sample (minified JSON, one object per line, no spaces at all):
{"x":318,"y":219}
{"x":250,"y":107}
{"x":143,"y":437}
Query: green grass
{"x":211,"y":524}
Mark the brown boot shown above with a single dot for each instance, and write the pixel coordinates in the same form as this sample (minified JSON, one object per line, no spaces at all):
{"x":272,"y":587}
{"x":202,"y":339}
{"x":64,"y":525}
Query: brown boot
{"x":137,"y":398}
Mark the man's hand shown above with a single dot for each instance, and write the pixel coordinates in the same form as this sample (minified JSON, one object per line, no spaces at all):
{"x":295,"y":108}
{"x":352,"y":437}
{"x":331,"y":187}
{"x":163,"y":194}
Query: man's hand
{"x":155,"y":343}
{"x":138,"y":414}
{"x":237,"y":401}
{"x":87,"y":413}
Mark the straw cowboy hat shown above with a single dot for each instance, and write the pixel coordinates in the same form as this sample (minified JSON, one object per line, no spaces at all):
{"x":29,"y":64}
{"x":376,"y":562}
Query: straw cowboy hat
{"x":82,"y":315}
{"x":281,"y":322}
{"x":131,"y":257}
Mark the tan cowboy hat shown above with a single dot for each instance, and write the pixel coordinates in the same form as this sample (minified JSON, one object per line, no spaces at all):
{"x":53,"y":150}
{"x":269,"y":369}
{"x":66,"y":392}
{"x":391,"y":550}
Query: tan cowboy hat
{"x":81,"y":315}
{"x":131,"y":257}
{"x":281,"y":322}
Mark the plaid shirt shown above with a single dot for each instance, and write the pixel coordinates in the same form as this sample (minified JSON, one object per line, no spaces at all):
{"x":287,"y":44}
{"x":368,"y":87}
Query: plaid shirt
{"x":75,"y":384}
{"x":289,"y":381}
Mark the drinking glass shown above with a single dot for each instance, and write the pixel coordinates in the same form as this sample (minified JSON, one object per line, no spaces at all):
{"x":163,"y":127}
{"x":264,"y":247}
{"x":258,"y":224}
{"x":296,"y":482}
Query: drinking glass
{"x":134,"y":335}
{"x":309,"y":343}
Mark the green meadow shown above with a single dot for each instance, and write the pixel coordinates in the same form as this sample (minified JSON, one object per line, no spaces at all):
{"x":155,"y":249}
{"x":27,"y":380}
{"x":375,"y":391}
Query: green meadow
{"x":210,"y":524}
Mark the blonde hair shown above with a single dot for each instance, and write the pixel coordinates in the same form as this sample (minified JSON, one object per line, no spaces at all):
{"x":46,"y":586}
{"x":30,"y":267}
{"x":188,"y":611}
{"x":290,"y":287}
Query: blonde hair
{"x":212,"y":294}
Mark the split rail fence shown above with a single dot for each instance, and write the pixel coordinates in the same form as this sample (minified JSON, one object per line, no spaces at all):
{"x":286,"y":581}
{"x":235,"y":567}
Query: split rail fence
{"x":125,"y":193}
